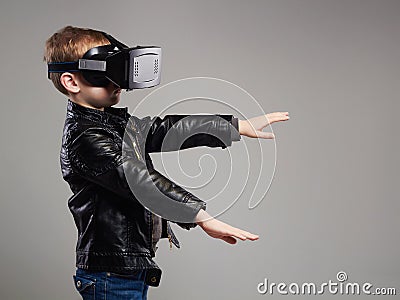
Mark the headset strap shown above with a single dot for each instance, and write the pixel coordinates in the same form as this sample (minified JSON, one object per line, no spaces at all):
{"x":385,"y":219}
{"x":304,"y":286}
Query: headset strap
{"x":61,"y":67}
{"x":76,"y":66}
{"x":114,"y":41}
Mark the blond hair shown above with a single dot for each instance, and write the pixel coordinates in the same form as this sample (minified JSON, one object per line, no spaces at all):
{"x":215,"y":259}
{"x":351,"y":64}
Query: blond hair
{"x":70,"y":44}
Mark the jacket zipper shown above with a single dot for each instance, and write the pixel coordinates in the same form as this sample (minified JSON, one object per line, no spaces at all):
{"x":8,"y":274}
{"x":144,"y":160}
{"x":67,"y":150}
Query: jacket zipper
{"x":169,"y":236}
{"x":138,"y":153}
{"x":151,"y":234}
{"x":170,"y":241}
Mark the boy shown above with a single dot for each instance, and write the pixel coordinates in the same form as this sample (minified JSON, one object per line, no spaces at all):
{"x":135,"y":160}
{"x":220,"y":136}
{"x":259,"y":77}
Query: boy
{"x":117,"y":235}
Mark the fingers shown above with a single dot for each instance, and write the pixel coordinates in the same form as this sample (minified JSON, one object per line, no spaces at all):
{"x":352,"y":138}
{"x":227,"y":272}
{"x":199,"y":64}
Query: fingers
{"x":250,"y":236}
{"x":271,"y":118}
{"x":279,"y":113}
{"x":226,"y":232}
{"x":244,"y":235}
{"x":277,"y":117}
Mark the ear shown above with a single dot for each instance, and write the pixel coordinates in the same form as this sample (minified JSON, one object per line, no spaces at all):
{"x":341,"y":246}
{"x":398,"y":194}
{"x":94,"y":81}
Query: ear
{"x":70,"y":82}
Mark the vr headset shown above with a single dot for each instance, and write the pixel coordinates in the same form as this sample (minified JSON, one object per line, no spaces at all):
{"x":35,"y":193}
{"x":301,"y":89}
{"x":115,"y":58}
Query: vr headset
{"x":128,"y":68}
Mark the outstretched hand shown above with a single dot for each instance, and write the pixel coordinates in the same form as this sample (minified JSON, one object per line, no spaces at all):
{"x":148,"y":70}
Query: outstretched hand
{"x":221,"y":230}
{"x":253,"y":127}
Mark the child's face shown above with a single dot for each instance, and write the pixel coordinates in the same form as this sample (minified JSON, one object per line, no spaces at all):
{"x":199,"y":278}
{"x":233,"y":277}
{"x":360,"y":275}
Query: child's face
{"x":97,"y":97}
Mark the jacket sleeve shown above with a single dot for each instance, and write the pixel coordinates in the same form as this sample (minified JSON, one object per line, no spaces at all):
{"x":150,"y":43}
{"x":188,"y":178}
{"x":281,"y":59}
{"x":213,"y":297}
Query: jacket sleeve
{"x":177,"y":132}
{"x":97,"y":157}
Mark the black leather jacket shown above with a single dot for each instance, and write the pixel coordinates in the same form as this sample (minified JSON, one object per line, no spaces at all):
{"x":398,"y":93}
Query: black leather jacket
{"x":115,"y":231}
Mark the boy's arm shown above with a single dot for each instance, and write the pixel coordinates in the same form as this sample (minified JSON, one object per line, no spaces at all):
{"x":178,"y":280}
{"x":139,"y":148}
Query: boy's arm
{"x":177,"y":132}
{"x":98,"y":158}
{"x":187,"y":131}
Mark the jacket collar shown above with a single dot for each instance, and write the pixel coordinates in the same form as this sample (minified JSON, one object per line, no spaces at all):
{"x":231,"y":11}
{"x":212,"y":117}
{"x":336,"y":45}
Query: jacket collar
{"x":109,"y":113}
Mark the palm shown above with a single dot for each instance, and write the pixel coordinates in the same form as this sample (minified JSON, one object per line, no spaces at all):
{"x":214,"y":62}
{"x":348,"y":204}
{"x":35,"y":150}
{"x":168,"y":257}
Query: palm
{"x":253,"y":127}
{"x":223,"y":231}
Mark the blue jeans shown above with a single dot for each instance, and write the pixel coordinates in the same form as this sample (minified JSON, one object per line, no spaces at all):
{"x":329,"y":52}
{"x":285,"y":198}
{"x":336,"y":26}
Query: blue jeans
{"x":110,"y":286}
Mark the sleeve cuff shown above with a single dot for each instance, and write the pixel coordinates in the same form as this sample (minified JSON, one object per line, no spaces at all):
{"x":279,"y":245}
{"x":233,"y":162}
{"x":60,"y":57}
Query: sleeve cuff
{"x":235,"y":135}
{"x":199,"y":205}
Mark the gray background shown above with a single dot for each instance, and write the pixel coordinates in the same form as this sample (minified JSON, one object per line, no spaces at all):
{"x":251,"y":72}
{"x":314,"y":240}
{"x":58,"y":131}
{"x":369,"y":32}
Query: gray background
{"x":333,"y":204}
